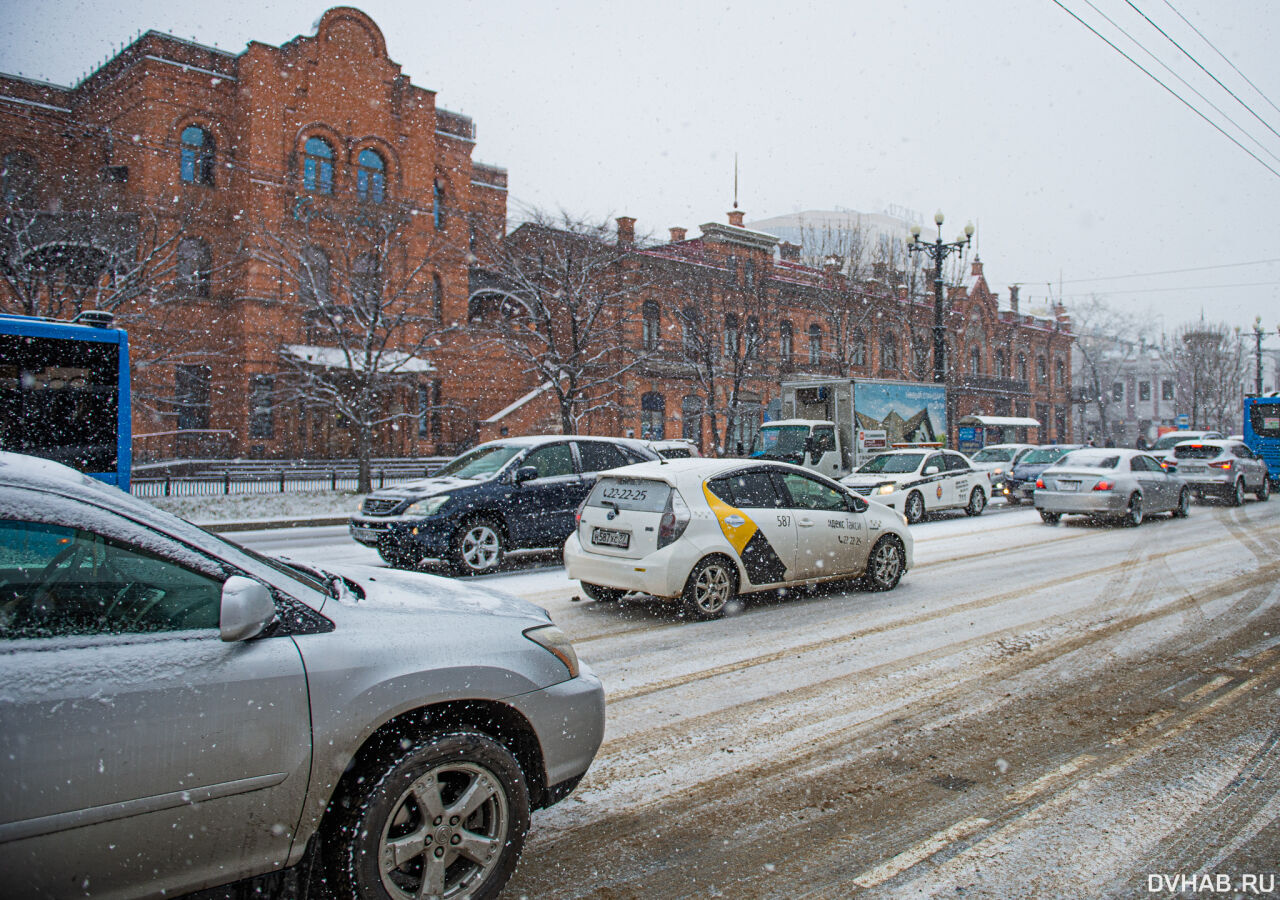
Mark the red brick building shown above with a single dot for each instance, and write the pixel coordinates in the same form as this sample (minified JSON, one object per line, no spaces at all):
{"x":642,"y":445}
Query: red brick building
{"x":229,"y":158}
{"x":239,"y":181}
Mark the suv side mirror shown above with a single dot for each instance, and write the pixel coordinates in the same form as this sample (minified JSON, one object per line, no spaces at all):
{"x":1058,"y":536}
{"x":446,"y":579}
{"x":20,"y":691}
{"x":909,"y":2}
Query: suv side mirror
{"x":930,"y":470}
{"x":246,"y":609}
{"x":526,"y":473}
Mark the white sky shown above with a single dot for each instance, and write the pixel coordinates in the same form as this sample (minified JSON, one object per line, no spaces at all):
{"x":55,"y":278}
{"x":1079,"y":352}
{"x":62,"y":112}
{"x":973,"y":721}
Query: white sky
{"x":1074,"y":164}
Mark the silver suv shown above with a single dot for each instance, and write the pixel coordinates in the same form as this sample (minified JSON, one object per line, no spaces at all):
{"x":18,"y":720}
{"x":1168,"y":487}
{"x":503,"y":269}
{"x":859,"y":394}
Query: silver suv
{"x":1227,"y":469}
{"x":177,"y":712}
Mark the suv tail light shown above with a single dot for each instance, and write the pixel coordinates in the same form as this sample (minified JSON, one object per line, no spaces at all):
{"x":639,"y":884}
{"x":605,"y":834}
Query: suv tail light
{"x":1040,"y":484}
{"x":1103,"y":486}
{"x":675,"y":519}
{"x":1225,"y":465}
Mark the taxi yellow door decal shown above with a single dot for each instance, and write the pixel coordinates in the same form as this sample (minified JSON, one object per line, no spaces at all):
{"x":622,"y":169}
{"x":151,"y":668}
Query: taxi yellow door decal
{"x":758,"y":556}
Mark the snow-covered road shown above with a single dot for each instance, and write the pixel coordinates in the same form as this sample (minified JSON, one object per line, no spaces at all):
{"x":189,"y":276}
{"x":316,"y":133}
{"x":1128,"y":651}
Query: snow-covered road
{"x":1034,"y":711}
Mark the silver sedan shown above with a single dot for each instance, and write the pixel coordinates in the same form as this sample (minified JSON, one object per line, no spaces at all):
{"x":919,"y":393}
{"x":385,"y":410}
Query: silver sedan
{"x":1126,"y":485}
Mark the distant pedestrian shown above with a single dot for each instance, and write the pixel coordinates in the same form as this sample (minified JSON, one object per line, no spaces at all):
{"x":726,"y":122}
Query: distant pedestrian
{"x":1142,"y":443}
{"x":1091,"y":442}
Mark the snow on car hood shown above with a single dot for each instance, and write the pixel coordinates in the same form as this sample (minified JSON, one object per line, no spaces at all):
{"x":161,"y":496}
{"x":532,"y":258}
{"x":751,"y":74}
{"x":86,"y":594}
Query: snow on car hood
{"x":859,"y":479}
{"x":429,"y":487}
{"x":418,"y":592}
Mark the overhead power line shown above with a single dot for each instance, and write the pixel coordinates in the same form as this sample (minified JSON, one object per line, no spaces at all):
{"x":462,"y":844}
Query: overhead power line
{"x":1255,"y":262}
{"x":1178,"y":96}
{"x":1225,"y":59}
{"x":1165,"y":290}
{"x":1264,"y":122}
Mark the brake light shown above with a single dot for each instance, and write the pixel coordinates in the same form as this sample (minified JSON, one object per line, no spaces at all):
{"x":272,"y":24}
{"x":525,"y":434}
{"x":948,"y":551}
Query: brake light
{"x":1040,"y":484}
{"x":675,"y":519}
{"x":577,"y":517}
{"x":1225,"y":465}
{"x":1103,"y":486}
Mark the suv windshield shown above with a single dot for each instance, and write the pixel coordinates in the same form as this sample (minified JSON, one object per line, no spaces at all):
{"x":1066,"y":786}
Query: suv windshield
{"x":892,"y":463}
{"x":1043,"y":455}
{"x":480,"y":463}
{"x":994,"y":454}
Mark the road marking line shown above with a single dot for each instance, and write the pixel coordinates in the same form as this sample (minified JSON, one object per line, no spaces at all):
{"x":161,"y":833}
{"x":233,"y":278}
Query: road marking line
{"x":1022,"y":795}
{"x":921,"y":851}
{"x":1205,"y":689}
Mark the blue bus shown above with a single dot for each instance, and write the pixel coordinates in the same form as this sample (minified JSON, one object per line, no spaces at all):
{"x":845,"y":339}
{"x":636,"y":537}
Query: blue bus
{"x":1262,"y":432}
{"x":64,"y":393}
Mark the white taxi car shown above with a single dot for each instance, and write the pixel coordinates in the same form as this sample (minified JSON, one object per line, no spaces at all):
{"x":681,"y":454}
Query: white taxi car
{"x":916,"y":482}
{"x":706,"y":530}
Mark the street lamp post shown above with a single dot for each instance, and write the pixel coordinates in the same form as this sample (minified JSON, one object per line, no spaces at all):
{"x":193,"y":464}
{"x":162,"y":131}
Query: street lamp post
{"x":1258,"y":334}
{"x":937,"y":252}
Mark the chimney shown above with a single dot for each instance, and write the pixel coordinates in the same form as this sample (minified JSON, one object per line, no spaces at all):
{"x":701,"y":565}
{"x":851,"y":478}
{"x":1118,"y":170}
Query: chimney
{"x":735,"y":218}
{"x":789,"y":251}
{"x":626,"y":231}
{"x":977,"y":267}
{"x":1013,"y":298}
{"x":677,"y":234}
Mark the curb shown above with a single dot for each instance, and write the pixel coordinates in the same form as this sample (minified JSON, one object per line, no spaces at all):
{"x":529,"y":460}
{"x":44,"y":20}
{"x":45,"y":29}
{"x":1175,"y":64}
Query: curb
{"x":219,"y":527}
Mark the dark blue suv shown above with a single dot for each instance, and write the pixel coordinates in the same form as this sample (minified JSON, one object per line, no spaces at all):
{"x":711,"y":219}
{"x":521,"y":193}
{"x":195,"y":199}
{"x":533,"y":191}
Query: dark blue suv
{"x":513,"y":494}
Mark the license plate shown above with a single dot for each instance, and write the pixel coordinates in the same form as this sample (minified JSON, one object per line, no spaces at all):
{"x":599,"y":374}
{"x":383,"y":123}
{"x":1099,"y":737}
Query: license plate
{"x":1190,"y":468}
{"x":364,"y":534}
{"x":1068,"y":485}
{"x":607,"y":537}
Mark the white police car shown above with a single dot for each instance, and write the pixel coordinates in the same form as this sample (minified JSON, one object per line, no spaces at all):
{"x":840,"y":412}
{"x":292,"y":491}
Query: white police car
{"x":920,"y":481}
{"x":706,"y":530}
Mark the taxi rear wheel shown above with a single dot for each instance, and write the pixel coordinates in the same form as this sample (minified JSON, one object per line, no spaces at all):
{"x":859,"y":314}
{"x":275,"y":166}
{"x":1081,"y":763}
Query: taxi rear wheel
{"x":711,"y":585}
{"x":977,"y":503}
{"x":885,"y":564}
{"x":600,"y":593}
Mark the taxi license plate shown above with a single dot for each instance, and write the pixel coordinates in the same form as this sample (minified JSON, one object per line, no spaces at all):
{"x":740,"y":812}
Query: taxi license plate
{"x":1068,"y":485}
{"x":364,"y":534}
{"x":607,"y":537}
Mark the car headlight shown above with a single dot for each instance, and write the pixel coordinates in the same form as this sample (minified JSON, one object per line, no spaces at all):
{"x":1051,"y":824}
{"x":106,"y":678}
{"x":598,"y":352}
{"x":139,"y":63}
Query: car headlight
{"x":554,"y":641}
{"x":428,"y":506}
{"x":886,"y":488}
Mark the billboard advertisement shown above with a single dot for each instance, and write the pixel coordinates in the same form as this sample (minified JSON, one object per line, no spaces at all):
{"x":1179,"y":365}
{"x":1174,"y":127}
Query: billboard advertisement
{"x":908,"y":413}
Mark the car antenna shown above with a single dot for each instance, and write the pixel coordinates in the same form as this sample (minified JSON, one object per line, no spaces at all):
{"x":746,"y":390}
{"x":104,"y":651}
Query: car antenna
{"x":662,"y":460}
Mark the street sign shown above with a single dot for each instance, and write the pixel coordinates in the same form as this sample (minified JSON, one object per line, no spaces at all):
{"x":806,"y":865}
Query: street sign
{"x":1182,"y":420}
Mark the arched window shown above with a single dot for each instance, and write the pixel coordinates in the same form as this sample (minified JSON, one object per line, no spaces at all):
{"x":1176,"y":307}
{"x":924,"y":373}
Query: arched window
{"x":650,"y":325}
{"x":815,"y":344}
{"x":437,"y":200}
{"x":888,"y":352}
{"x":751,"y":349}
{"x":975,"y":360}
{"x":689,"y":322}
{"x":313,"y":276}
{"x":437,"y":298}
{"x":919,"y":356}
{"x":194,"y":265}
{"x":1022,"y":367}
{"x":731,"y":335}
{"x":1060,"y":373}
{"x":366,"y":287}
{"x":653,"y":416}
{"x":858,"y":348}
{"x":785,"y":341}
{"x":197,"y":155}
{"x":1042,"y":371}
{"x":19,"y":178}
{"x":317,"y":166}
{"x":370,"y":176}
{"x":1002,"y":364}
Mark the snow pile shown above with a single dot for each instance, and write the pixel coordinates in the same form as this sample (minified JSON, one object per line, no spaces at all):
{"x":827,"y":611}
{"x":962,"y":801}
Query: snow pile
{"x":261,"y":507}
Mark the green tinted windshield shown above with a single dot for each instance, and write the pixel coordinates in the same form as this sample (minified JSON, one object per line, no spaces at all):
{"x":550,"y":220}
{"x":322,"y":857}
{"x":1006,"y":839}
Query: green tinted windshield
{"x":1043,"y":455}
{"x":892,"y":463}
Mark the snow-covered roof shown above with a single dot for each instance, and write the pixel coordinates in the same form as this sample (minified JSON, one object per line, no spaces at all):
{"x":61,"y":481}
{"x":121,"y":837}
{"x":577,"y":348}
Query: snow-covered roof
{"x":392,"y":361}
{"x":1000,"y":421}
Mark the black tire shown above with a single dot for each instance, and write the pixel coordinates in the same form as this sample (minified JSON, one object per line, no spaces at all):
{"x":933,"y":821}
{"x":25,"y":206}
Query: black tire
{"x":1264,"y":492}
{"x":1132,"y":517}
{"x":399,"y":558}
{"x":1050,"y":518}
{"x":977,"y":503}
{"x":1236,"y":497}
{"x":383,"y":839}
{"x":600,"y":593}
{"x":913,"y":509}
{"x":1183,"y":509}
{"x":711,"y":585}
{"x":478,"y":547}
{"x":885,"y":564}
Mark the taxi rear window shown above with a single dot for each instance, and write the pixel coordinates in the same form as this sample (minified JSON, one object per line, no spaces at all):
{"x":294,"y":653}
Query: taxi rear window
{"x":640,"y":494}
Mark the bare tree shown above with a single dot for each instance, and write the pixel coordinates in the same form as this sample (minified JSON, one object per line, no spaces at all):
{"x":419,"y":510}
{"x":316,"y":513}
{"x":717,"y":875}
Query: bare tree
{"x":1107,"y":344}
{"x":561,"y":300}
{"x":370,"y":310}
{"x":723,"y":332}
{"x":1210,"y":363}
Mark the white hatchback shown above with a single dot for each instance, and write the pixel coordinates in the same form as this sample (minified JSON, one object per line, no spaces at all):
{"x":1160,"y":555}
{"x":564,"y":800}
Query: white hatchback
{"x":706,"y":530}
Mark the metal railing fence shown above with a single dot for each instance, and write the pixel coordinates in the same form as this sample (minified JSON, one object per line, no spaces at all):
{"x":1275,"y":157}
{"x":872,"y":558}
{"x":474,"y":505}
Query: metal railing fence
{"x":213,"y":477}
